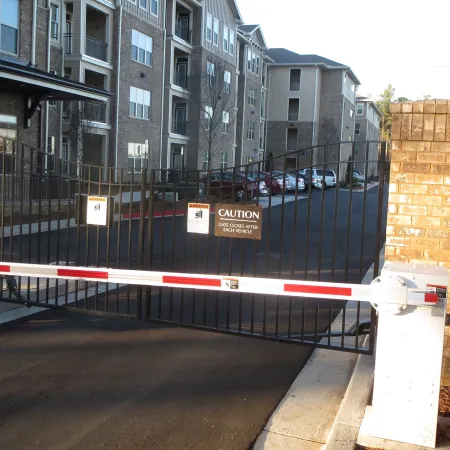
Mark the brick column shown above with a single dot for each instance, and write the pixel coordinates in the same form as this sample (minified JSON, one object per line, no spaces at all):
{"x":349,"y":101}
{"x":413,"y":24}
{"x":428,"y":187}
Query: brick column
{"x":418,"y":227}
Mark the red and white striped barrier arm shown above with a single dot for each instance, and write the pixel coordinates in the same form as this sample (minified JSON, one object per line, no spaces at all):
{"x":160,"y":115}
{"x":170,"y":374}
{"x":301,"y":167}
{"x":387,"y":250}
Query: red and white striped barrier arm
{"x":266,"y":286}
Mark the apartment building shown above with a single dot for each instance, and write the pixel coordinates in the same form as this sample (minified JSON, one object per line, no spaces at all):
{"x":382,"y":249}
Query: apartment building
{"x":252,"y":100}
{"x":200,"y":84}
{"x":31,"y":82}
{"x":367,"y":135}
{"x":312,"y":102}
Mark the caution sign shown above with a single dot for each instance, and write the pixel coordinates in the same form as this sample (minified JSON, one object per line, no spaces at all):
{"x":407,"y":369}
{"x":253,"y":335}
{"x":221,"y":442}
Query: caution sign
{"x":97,"y":210}
{"x":238,"y":221}
{"x":198,"y":218}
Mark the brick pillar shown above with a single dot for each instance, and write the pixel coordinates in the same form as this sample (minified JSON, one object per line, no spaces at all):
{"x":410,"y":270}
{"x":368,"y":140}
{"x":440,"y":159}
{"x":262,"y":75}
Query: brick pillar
{"x":418,"y":228}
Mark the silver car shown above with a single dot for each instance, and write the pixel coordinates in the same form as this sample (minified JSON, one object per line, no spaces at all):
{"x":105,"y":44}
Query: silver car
{"x":317,"y":177}
{"x":291,"y":182}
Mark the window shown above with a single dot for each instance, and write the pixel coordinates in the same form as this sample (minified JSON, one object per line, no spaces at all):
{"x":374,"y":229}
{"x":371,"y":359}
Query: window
{"x":154,"y":6}
{"x":231,"y":42}
{"x":294,"y":108}
{"x":208,"y":116}
{"x":351,"y":113}
{"x":9,"y":26}
{"x":143,"y":4}
{"x":140,"y":103}
{"x":7,"y":138}
{"x":225,"y":122}
{"x":263,"y":104}
{"x":141,"y":47}
{"x":209,"y":27}
{"x":250,"y":130}
{"x":294,"y":84}
{"x":357,"y":129}
{"x":54,"y":18}
{"x":137,"y":157}
{"x":359,"y":109}
{"x":252,"y":97}
{"x":227,"y":82}
{"x":210,"y":72}
{"x":216,"y":32}
{"x":257,"y":65}
{"x":225,"y":38}
{"x":253,"y":62}
{"x":249,"y":60}
{"x":223,"y":160}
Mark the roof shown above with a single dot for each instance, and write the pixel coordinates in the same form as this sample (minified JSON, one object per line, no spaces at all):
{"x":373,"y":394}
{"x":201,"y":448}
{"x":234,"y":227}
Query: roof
{"x":20,"y":76}
{"x":236,"y":11}
{"x":283,"y":56}
{"x":371,"y":101}
{"x":248,"y":28}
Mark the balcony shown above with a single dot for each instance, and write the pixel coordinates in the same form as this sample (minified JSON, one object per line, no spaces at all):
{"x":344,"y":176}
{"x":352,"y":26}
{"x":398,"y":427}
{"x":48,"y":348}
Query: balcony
{"x":181,"y":79}
{"x":183,"y":32}
{"x":96,"y":49}
{"x":90,"y":112}
{"x":179,"y":127}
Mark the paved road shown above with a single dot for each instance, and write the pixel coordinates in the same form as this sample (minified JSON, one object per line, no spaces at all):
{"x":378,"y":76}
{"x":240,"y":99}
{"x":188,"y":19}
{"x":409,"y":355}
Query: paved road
{"x":70,"y":381}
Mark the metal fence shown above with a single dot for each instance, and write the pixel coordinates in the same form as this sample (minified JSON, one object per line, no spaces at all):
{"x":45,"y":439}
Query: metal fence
{"x":312,"y":229}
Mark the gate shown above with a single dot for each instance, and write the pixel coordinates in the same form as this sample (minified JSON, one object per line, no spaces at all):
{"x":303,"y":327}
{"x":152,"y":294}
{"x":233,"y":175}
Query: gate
{"x":323,"y":221}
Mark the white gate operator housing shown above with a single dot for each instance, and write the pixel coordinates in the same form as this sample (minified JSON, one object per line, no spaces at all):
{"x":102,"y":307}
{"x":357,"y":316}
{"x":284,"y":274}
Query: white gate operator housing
{"x":408,"y":359}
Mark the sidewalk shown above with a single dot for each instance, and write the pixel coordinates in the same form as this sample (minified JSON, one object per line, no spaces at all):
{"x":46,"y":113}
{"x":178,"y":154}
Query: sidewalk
{"x":325,"y":405}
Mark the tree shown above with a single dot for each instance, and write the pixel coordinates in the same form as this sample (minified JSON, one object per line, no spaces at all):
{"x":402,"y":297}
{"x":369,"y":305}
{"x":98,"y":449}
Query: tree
{"x":80,"y":115}
{"x":384,"y":105}
{"x":328,"y":140}
{"x":402,"y":99}
{"x":216,"y":107}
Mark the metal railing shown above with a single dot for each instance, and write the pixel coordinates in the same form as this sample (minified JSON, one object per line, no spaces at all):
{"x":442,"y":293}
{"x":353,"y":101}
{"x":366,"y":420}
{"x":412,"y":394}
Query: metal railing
{"x":96,"y":49}
{"x":183,"y":32}
{"x":180,"y":127}
{"x":333,"y":235}
{"x":94,"y":112}
{"x":181,"y":79}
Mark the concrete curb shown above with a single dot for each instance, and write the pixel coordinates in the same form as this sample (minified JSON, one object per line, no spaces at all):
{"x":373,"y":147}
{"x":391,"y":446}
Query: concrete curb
{"x":324,"y":407}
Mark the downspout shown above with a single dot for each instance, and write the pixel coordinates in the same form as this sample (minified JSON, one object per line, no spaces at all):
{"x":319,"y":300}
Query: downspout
{"x":33,"y":37}
{"x":266,"y":125}
{"x":163,"y":88}
{"x":48,"y":69}
{"x":119,"y":49}
{"x":313,"y":142}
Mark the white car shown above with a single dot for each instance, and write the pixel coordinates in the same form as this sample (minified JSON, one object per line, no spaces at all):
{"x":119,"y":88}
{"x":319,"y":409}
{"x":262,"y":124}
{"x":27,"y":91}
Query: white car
{"x":317,"y":177}
{"x":358,"y":176}
{"x":290,"y":181}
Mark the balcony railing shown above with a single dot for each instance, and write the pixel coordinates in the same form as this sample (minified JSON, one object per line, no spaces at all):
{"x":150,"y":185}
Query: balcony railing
{"x":183,"y":32}
{"x":181,"y":79}
{"x":91,"y":112}
{"x":179,"y":127}
{"x":96,"y":49}
{"x":94,"y":112}
{"x":68,"y":43}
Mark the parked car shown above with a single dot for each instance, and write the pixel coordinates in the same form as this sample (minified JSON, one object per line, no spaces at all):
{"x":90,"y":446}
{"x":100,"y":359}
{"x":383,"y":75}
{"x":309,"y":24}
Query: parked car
{"x":319,"y":179}
{"x":293,"y":183}
{"x":271,"y":182}
{"x":225,"y":183}
{"x":359,"y":176}
{"x":305,"y":178}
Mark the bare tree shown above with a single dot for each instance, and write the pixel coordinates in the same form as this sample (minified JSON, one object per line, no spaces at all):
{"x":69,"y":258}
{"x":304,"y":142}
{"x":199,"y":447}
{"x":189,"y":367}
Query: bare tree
{"x":81,"y":115}
{"x":216,"y":107}
{"x":328,"y":138}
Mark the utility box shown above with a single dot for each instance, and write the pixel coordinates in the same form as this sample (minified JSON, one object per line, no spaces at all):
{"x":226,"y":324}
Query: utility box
{"x":408,"y":359}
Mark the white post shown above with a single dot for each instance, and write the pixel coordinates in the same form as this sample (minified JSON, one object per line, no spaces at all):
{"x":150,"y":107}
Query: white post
{"x":409,"y":359}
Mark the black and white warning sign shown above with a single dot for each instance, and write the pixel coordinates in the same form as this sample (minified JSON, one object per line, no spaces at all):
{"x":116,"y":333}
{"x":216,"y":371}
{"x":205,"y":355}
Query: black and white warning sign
{"x":198,"y":218}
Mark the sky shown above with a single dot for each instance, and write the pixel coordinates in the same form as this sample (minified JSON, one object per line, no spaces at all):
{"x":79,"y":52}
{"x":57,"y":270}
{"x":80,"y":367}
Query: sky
{"x":384,"y":42}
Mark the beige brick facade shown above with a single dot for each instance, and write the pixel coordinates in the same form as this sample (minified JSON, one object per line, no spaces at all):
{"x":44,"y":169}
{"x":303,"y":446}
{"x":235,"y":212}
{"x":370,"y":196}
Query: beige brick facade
{"x":418,"y":228}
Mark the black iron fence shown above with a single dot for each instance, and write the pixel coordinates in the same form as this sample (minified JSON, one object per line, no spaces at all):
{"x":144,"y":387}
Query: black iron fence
{"x":183,"y":32}
{"x":319,"y":223}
